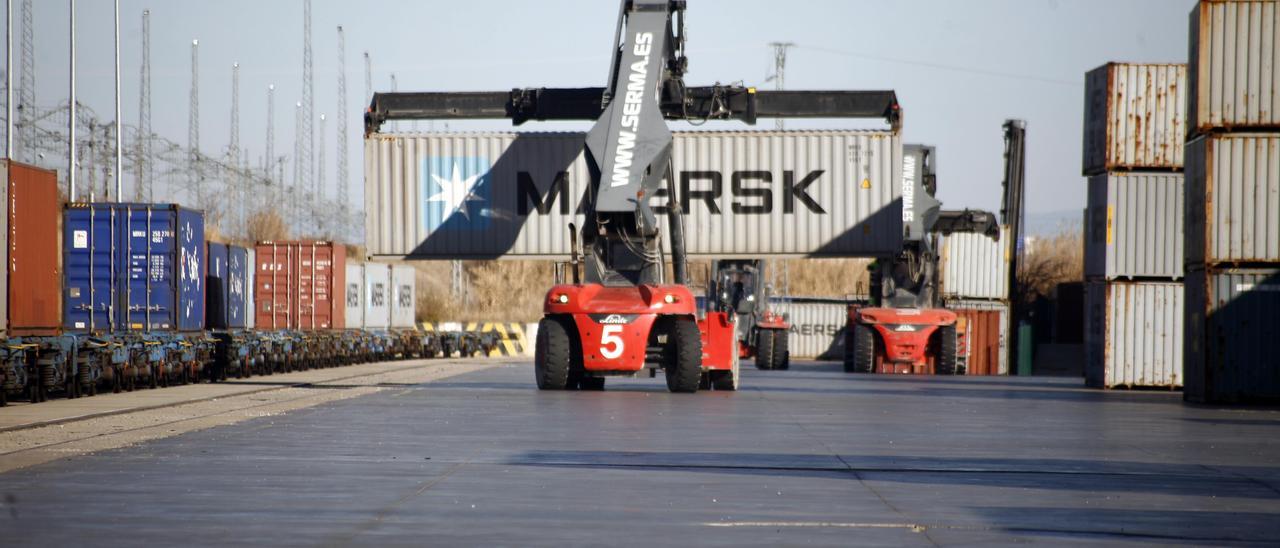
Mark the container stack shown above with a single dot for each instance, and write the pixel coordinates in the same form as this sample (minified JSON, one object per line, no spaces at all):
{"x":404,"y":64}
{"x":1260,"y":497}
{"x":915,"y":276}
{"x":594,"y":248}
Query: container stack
{"x":1134,"y":125}
{"x":1233,"y":203}
{"x":974,"y":275}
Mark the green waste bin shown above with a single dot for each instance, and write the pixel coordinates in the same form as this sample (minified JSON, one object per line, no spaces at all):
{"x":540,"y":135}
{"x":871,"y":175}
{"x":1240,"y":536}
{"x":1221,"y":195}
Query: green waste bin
{"x":1025,"y":344}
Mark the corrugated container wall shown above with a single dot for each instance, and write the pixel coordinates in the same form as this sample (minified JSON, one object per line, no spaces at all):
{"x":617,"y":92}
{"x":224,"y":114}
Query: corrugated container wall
{"x":1232,"y":67}
{"x":405,"y":304}
{"x":757,"y":193}
{"x":1134,"y":334}
{"x":986,"y":328}
{"x":817,"y":326}
{"x":1135,"y":226}
{"x":976,"y":267}
{"x":1233,"y":335}
{"x":377,"y":296}
{"x":133,"y":267}
{"x":1233,"y":215}
{"x":300,"y":285}
{"x":31,"y":299}
{"x":355,"y":295}
{"x":1134,"y":117}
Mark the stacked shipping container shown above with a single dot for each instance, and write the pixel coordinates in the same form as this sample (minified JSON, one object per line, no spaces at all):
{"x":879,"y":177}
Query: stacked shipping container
{"x":1135,"y":119}
{"x":975,"y":285}
{"x":1233,"y":203}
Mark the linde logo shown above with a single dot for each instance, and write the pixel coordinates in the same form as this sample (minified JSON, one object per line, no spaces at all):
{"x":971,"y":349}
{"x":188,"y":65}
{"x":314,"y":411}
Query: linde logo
{"x":748,"y":193}
{"x":614,"y":319}
{"x":631,"y":107}
{"x":909,"y":188}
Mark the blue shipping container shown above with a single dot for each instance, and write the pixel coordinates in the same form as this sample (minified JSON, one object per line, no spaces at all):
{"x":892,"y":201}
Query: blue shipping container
{"x":133,"y":267}
{"x":227,"y":286}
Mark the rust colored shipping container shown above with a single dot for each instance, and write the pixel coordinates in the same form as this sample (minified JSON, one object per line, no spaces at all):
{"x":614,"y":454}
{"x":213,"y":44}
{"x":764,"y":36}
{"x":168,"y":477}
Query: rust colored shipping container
{"x":33,"y":297}
{"x":981,"y":340}
{"x":300,"y":285}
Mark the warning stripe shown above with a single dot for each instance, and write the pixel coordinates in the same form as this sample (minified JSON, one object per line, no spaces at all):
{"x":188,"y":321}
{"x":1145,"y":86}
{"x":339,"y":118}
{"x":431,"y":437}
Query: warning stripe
{"x":512,"y":339}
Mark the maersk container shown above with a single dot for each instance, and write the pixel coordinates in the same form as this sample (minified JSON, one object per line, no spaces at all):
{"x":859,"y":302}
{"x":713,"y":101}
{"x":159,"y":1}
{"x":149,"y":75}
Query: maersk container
{"x":1134,"y":117}
{"x":746,"y":193}
{"x":133,"y":267}
{"x":30,"y":297}
{"x":299,"y":285}
{"x":1233,"y":204}
{"x":817,"y":325}
{"x":1233,"y":336}
{"x":1232,"y":72}
{"x":404,"y":305}
{"x":227,"y":286}
{"x":1134,"y":334}
{"x":355,"y":295}
{"x":377,"y":295}
{"x":1134,"y":226}
{"x":984,"y":326}
{"x":974,"y":266}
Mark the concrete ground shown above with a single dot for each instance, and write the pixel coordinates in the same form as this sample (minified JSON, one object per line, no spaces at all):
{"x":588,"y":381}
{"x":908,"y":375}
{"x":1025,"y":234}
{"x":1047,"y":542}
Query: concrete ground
{"x":807,"y":456}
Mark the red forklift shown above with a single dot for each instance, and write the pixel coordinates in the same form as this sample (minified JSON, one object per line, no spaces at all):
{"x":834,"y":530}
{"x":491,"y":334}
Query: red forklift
{"x":739,"y":287}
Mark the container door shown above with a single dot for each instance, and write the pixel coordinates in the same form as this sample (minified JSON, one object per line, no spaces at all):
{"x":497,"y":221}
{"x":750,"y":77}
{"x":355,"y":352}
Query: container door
{"x":273,"y":286}
{"x":236,"y":286}
{"x":147,"y":254}
{"x":354,"y":294}
{"x":405,"y":302}
{"x":377,"y":309}
{"x":88,"y":266}
{"x":250,"y":279}
{"x":33,"y":292}
{"x":216,"y":306}
{"x":191,"y":270}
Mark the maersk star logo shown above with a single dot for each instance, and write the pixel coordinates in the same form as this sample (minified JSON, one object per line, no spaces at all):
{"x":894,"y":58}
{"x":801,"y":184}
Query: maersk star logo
{"x":451,"y":185}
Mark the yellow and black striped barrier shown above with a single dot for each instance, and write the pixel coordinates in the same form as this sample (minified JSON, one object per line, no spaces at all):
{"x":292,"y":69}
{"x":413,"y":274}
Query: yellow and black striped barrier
{"x":512,"y":337}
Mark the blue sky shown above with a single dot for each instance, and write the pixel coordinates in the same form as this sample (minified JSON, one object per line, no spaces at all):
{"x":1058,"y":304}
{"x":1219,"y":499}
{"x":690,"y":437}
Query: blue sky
{"x":959,"y":68}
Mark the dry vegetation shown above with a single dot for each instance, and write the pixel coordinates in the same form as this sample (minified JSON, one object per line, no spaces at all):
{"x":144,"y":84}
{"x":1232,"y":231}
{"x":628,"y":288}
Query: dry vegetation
{"x":1048,"y":262}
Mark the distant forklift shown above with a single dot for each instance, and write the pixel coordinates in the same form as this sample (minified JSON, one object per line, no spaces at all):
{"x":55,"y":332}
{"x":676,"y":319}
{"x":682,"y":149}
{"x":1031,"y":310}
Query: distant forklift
{"x":740,"y":287}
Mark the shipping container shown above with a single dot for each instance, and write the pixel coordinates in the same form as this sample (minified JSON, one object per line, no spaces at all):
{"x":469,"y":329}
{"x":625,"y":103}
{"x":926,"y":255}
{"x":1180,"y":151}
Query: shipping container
{"x":817,"y":326}
{"x":1135,"y":226}
{"x":1232,"y":72}
{"x":1233,"y":336}
{"x":250,"y":268}
{"x":377,"y":296}
{"x":300,"y":285}
{"x":133,"y":267}
{"x":1233,"y":209}
{"x":1134,"y":117}
{"x":227,"y":287}
{"x":984,"y":330}
{"x":974,"y":266}
{"x":31,"y":301}
{"x":405,"y":304}
{"x":746,"y":193}
{"x":355,"y":295}
{"x":1134,"y":334}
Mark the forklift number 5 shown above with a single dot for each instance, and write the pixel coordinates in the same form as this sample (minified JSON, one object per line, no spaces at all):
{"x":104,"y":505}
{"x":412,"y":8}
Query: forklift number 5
{"x":610,"y":343}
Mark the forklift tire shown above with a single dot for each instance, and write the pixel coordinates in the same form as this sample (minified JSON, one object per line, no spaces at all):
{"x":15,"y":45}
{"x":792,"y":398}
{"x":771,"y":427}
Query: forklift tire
{"x":862,"y":358}
{"x":781,"y":356}
{"x":946,"y":350}
{"x":551,"y":355}
{"x":764,"y":349}
{"x":726,"y":380}
{"x":684,"y":364}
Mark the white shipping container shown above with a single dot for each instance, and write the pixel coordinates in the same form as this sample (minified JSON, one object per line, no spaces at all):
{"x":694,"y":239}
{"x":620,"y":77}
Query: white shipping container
{"x":1235,"y":46}
{"x":976,"y":267}
{"x":251,"y":269}
{"x":817,"y":326}
{"x":1134,"y":117}
{"x":404,"y":304}
{"x":1233,"y":204}
{"x":355,"y":295}
{"x":746,"y":193}
{"x":377,"y":296}
{"x":1134,"y":226}
{"x":1134,"y":334}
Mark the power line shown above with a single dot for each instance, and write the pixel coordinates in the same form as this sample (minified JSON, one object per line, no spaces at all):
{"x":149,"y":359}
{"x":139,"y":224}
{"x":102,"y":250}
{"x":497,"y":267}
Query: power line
{"x":941,"y":66}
